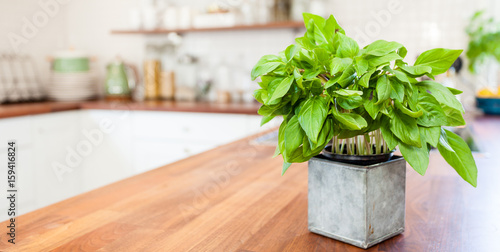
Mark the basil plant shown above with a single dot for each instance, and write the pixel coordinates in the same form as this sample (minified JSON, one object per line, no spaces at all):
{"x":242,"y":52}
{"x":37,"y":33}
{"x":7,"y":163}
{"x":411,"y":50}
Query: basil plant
{"x":366,"y":101}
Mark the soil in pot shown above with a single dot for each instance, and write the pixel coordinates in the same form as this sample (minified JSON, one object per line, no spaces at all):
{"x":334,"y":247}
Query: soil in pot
{"x":357,"y":159}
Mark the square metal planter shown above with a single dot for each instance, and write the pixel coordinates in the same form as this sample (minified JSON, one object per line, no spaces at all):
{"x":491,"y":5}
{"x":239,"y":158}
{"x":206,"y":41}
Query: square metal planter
{"x":359,"y":205}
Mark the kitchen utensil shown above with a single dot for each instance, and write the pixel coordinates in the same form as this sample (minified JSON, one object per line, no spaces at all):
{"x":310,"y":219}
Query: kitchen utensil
{"x":120,"y":80}
{"x":167,"y":85}
{"x":151,"y":79}
{"x":71,"y":86}
{"x":9,"y":79}
{"x":71,"y":78}
{"x":70,"y":61}
{"x":490,"y":106}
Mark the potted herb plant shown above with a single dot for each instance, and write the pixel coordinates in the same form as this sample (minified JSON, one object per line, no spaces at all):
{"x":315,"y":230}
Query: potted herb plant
{"x":483,"y":53}
{"x":345,"y":110}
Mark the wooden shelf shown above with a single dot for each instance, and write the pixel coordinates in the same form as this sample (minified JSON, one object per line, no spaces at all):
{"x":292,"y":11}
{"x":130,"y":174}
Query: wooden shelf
{"x":277,"y":25}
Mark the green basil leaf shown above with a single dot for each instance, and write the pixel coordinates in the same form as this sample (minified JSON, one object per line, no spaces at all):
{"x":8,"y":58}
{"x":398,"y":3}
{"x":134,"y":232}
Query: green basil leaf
{"x":453,"y":117}
{"x":316,"y":87}
{"x":305,"y":43}
{"x":281,"y":137}
{"x":310,"y":74}
{"x":443,"y":140}
{"x":460,"y":158}
{"x":339,"y":64}
{"x":332,"y":81}
{"x":397,"y":90}
{"x":350,"y":102}
{"x":361,"y":65}
{"x":285,"y":167}
{"x":307,"y":59}
{"x":308,"y":17}
{"x":439,"y":59}
{"x":265,"y":81}
{"x":405,"y":128}
{"x":430,"y":134}
{"x":265,"y":110}
{"x":326,"y":134}
{"x":376,"y":61}
{"x":417,"y":70}
{"x":383,"y":89}
{"x":323,"y":57}
{"x":455,"y":91}
{"x":350,"y":121}
{"x":348,"y":47}
{"x":402,"y":52}
{"x":320,"y":38}
{"x":266,"y":119}
{"x":260,"y":95}
{"x":389,"y":137}
{"x":407,"y":111}
{"x":297,"y":156}
{"x":348,"y":92}
{"x":381,"y":47}
{"x":332,"y":25}
{"x":365,"y":79}
{"x":293,"y":136}
{"x":291,"y":51}
{"x":265,"y":65}
{"x":312,"y":115}
{"x":371,"y":105}
{"x":418,"y":158}
{"x":298,"y":78}
{"x":347,"y":77}
{"x":296,"y":93}
{"x":401,"y":76}
{"x":277,"y":151}
{"x":310,"y":31}
{"x":282,"y":88}
{"x":433,"y":114}
{"x":441,"y":93}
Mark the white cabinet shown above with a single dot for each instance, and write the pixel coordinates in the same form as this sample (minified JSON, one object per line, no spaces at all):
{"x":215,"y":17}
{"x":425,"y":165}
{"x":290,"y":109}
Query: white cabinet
{"x":57,"y":161}
{"x":164,"y":137}
{"x":18,"y":129}
{"x":193,"y":126}
{"x":67,"y":153}
{"x":111,"y":158}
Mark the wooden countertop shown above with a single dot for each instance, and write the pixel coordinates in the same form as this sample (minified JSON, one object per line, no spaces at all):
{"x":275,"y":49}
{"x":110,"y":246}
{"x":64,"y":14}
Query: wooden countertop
{"x":233,"y":198}
{"x":22,"y":109}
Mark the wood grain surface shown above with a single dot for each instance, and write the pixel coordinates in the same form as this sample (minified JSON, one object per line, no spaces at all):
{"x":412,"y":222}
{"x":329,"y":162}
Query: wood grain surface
{"x":35,"y":108}
{"x":233,"y":198}
{"x":275,"y":25}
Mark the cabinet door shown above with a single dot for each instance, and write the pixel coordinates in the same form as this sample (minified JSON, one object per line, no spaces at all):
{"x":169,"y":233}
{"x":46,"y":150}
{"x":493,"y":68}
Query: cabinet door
{"x":109,"y":132}
{"x":17,"y":128}
{"x":58,"y":165}
{"x":202,"y":127}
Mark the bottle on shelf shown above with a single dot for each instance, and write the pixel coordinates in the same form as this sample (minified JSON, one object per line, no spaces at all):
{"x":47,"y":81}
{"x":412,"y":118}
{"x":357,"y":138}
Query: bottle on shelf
{"x":152,"y":69}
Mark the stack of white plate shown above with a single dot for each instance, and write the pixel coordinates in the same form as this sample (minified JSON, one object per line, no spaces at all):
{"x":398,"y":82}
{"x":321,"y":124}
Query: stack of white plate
{"x":71,"y":86}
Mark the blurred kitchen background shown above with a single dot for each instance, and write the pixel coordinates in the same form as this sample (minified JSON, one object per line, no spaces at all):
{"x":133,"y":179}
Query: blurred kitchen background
{"x":70,"y":50}
{"x":199,"y":52}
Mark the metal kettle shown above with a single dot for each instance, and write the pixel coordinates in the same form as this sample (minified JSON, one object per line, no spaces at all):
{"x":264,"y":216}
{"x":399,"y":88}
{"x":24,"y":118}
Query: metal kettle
{"x":121,"y":79}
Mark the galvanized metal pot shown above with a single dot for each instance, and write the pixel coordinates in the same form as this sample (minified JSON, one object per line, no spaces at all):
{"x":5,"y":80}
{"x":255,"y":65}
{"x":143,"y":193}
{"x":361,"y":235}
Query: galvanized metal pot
{"x":359,"y":205}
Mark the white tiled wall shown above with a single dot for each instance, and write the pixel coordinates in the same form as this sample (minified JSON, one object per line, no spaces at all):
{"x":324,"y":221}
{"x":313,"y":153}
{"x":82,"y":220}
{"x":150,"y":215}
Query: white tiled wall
{"x":419,"y":25}
{"x":85,"y":25}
